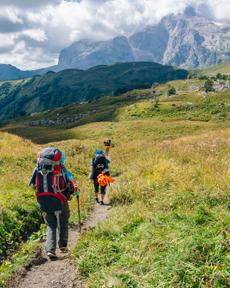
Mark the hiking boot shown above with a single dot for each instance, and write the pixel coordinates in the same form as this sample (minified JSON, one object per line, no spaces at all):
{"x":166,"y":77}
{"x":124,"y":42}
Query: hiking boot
{"x":102,"y":203}
{"x":64,"y":249}
{"x":52,"y":255}
{"x":97,"y":200}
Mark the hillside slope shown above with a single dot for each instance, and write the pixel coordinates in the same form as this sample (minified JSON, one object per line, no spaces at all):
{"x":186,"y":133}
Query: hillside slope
{"x":191,"y":103}
{"x":9,"y":72}
{"x":74,"y":86}
{"x":223,"y":68}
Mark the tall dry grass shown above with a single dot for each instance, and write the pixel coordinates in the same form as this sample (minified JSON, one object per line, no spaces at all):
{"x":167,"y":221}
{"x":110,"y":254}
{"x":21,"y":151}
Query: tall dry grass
{"x":170,"y":223}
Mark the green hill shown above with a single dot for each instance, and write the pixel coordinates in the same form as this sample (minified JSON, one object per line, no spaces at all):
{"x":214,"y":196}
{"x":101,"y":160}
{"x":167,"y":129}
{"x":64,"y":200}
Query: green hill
{"x":190,"y":103}
{"x":223,"y":68}
{"x":74,"y":86}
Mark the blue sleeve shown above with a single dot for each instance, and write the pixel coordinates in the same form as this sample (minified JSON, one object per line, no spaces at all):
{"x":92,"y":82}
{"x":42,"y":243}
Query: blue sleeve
{"x":68,"y":174}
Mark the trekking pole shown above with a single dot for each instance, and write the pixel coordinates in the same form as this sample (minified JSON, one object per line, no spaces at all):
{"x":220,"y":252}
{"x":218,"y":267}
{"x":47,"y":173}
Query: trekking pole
{"x":78,"y":209}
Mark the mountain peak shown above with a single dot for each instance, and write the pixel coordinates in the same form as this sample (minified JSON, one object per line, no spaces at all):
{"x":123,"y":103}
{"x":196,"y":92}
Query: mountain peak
{"x":190,"y":11}
{"x":189,"y":39}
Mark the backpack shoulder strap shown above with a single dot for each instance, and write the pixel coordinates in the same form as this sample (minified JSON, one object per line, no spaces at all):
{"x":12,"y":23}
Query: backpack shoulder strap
{"x":32,"y":180}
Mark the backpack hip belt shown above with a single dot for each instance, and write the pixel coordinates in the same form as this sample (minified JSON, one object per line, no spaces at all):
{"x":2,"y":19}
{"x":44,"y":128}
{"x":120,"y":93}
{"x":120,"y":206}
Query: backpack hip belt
{"x":58,"y":195}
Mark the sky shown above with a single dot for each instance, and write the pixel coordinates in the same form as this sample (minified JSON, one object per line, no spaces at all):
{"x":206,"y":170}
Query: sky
{"x":32,"y":33}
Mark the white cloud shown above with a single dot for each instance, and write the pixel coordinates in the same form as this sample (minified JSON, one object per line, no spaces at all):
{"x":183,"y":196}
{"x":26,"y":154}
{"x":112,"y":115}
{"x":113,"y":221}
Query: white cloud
{"x":221,"y":9}
{"x":28,"y":3}
{"x":11,"y":14}
{"x":27,"y":57}
{"x":35,"y":31}
{"x":37,"y":35}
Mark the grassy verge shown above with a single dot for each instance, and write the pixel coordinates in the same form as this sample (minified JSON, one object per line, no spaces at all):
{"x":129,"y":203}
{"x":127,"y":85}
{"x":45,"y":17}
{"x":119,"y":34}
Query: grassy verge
{"x":23,"y":258}
{"x":171,"y":222}
{"x":19,"y":214}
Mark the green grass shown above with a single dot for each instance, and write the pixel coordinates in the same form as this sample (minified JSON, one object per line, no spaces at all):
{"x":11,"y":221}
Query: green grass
{"x":191,"y":105}
{"x":170,"y":222}
{"x":20,"y":216}
{"x":23,"y":258}
{"x":223,"y":68}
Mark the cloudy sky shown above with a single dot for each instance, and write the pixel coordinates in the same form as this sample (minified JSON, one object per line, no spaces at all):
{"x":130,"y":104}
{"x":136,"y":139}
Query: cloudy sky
{"x":32,"y":33}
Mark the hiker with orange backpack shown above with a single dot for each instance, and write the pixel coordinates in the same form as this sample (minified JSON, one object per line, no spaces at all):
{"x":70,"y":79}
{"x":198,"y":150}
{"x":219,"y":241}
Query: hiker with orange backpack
{"x":54,"y":185}
{"x":100,"y":174}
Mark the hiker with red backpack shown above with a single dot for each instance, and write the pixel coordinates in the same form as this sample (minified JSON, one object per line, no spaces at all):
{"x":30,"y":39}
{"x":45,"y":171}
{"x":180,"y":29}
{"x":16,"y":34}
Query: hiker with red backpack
{"x":54,"y":185}
{"x":100,"y":174}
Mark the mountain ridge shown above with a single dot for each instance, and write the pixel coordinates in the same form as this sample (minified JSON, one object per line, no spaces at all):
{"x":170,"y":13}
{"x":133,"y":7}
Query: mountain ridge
{"x":185,"y":40}
{"x":9,"y":72}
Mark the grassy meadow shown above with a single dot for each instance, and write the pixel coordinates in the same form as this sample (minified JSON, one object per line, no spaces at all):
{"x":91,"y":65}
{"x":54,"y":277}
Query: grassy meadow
{"x":20,"y":218}
{"x":170,"y":222}
{"x":213,"y":70}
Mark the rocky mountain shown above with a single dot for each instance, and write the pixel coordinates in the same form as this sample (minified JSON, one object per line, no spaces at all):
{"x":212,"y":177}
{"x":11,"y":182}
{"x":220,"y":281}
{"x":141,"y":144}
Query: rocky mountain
{"x":52,"y":90}
{"x":188,"y":40}
{"x":86,"y":53}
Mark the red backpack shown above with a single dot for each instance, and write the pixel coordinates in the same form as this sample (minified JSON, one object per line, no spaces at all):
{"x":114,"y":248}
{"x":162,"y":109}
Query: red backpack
{"x":50,"y":180}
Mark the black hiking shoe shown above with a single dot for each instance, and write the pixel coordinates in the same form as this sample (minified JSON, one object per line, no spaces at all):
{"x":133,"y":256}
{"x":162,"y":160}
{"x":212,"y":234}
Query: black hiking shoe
{"x":102,"y":203}
{"x":97,"y":200}
{"x":52,"y":255}
{"x":64,"y":249}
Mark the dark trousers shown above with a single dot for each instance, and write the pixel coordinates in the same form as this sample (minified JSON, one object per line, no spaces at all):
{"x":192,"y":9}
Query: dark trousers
{"x":51,"y":231}
{"x":96,"y":187}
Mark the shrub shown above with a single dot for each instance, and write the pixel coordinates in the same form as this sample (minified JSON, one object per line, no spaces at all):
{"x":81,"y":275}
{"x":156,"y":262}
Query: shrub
{"x":208,"y":86}
{"x":171,"y":91}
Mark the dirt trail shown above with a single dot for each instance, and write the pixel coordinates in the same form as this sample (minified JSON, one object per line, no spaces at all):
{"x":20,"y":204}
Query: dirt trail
{"x":60,"y":273}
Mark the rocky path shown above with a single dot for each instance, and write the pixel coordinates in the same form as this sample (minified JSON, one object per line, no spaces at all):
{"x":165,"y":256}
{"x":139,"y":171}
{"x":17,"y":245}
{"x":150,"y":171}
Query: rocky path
{"x":60,"y":273}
